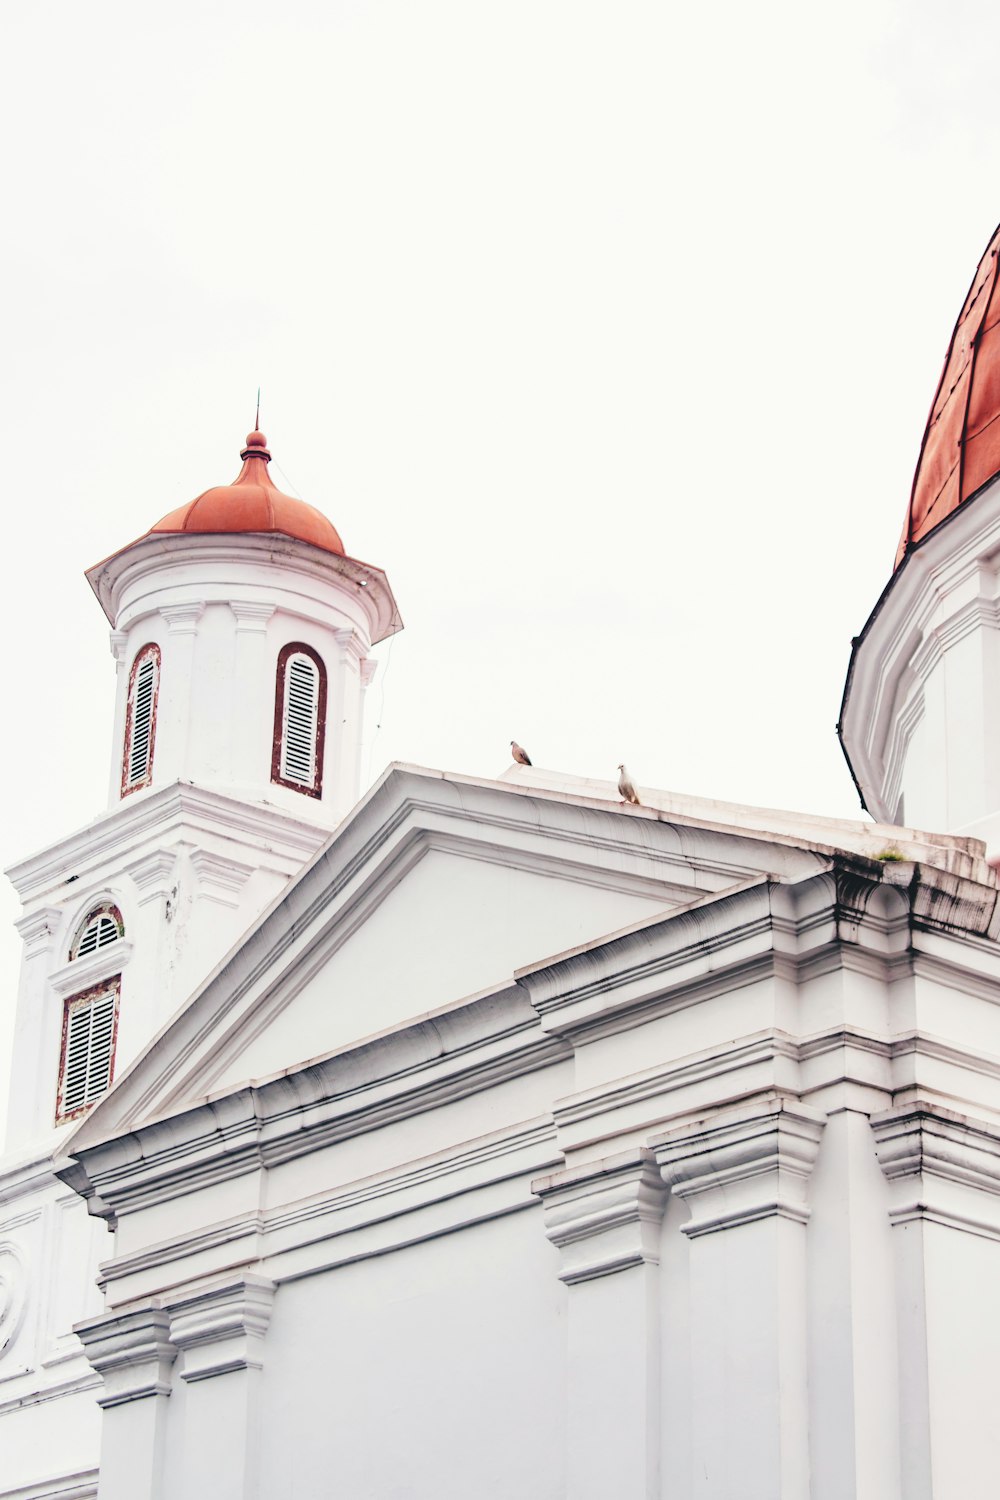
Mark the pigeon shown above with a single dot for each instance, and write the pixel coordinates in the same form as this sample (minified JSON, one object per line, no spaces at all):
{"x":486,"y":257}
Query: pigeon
{"x":626,"y":787}
{"x":521,"y":756}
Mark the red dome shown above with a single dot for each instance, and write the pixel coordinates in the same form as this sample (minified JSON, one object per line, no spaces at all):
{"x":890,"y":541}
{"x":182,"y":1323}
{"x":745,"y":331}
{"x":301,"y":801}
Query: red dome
{"x":961,"y":447}
{"x":252,"y":503}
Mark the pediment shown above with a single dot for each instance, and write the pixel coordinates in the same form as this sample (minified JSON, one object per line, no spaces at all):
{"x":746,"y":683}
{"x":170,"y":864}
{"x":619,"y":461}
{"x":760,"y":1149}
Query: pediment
{"x":436,"y":888}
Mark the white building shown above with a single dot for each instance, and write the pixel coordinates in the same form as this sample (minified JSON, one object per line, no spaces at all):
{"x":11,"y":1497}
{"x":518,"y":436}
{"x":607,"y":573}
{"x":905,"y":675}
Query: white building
{"x":494,"y":1138}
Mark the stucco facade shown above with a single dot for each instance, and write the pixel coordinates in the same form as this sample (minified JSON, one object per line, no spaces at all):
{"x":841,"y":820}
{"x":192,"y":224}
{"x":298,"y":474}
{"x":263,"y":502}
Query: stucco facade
{"x":479,"y":1137}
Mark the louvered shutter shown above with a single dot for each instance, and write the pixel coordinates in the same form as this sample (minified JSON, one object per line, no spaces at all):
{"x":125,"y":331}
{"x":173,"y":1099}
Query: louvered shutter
{"x":100,"y":930}
{"x":90,"y":1033}
{"x":141,"y":741}
{"x":300,"y":721}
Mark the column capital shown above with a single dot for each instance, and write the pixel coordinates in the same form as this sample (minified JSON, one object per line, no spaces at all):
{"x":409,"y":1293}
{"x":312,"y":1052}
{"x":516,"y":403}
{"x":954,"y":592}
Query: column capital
{"x":604,"y":1216}
{"x":153,"y":874}
{"x":251,"y":616}
{"x":182,"y":619}
{"x":351,"y":645}
{"x":38,"y":928}
{"x":742,"y":1165}
{"x":220,"y":878}
{"x":221,"y":1328}
{"x":941,"y":1165}
{"x":132,"y":1353}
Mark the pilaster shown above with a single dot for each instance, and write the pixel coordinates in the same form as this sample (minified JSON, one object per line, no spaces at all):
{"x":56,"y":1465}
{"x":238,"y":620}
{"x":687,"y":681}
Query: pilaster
{"x":133,"y":1354}
{"x":347,"y":699}
{"x":604,"y":1218}
{"x":943,"y":1175}
{"x":253,"y":707}
{"x":220,"y":1332}
{"x":743,"y":1174}
{"x":175,"y":703}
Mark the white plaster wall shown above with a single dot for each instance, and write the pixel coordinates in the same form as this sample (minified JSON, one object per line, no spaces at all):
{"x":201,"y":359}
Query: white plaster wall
{"x":434,"y":1373}
{"x":453,"y":927}
{"x":962,"y":1290}
{"x":49,"y":1251}
{"x":923,"y":784}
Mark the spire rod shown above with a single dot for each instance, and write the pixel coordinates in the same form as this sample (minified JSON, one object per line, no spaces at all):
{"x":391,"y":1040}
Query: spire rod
{"x":256,"y":420}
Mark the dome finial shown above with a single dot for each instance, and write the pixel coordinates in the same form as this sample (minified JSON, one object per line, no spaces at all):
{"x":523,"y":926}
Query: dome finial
{"x":256,"y":420}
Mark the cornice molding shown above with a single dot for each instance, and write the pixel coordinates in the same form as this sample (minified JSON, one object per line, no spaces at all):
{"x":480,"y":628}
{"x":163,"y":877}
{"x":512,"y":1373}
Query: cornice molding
{"x":301,"y":1112}
{"x":179,"y":807}
{"x":81,"y":973}
{"x":937,"y":641}
{"x":392,"y":1202}
{"x":741,"y":1166}
{"x":904,"y":728}
{"x":166,"y":559}
{"x":904,"y":625}
{"x":76,"y":1484}
{"x":118,"y":640}
{"x":604,"y":1217}
{"x":221,"y":1328}
{"x":132,"y":1353}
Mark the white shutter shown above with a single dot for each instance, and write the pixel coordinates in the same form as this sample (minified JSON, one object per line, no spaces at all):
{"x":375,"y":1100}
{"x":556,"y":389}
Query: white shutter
{"x":90,"y":1031}
{"x":141,"y":743}
{"x":300,"y":721}
{"x":101,"y":930}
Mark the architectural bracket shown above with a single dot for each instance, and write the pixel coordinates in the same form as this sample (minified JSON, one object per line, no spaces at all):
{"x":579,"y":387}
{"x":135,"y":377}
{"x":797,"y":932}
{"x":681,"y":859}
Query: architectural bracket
{"x":604,"y":1217}
{"x":742,"y":1165}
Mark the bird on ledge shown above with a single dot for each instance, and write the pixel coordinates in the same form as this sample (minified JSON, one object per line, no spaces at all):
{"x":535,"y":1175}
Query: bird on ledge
{"x":521,"y":756}
{"x":626,"y":788}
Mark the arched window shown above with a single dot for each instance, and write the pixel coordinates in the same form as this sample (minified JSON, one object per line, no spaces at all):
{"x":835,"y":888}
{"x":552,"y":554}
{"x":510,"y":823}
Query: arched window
{"x":99,"y":927}
{"x":299,"y":720}
{"x":90,"y":1017}
{"x":140,"y":720}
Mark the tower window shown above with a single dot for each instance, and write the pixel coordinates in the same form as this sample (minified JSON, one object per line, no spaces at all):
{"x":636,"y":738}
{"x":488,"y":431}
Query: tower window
{"x":299,"y":720}
{"x":86,"y":1067}
{"x":100,"y":927}
{"x":140,"y":720}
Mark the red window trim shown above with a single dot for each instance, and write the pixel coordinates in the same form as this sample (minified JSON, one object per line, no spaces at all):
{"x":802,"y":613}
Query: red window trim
{"x":114,"y":981}
{"x":153,"y":650}
{"x":298,"y":648}
{"x":102,"y":909}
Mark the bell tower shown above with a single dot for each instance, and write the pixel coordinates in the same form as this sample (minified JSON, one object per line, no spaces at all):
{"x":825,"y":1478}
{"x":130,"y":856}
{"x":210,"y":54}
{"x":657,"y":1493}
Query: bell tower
{"x":242,"y":635}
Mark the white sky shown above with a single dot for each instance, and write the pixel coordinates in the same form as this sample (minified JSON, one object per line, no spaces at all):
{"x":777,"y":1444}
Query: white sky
{"x":608,"y":330}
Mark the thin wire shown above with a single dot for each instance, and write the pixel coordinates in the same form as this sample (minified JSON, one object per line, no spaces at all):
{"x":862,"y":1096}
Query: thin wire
{"x":275,"y":464}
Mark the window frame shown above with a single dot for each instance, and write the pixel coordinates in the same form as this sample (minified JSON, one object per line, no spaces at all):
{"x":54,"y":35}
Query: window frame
{"x":285,"y":655}
{"x":149,"y":652}
{"x":112,"y":984}
{"x":94,"y":913}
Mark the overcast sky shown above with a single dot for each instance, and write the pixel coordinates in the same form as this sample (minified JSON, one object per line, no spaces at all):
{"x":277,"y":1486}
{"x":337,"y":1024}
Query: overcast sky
{"x":608,"y":330}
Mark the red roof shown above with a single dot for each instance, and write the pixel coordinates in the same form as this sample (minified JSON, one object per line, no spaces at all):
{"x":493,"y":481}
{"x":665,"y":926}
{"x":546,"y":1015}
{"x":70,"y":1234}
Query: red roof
{"x":961,"y":447}
{"x":252,"y":503}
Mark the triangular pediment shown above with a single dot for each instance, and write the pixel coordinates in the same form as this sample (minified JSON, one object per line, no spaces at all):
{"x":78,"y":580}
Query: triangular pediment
{"x":436,"y":888}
